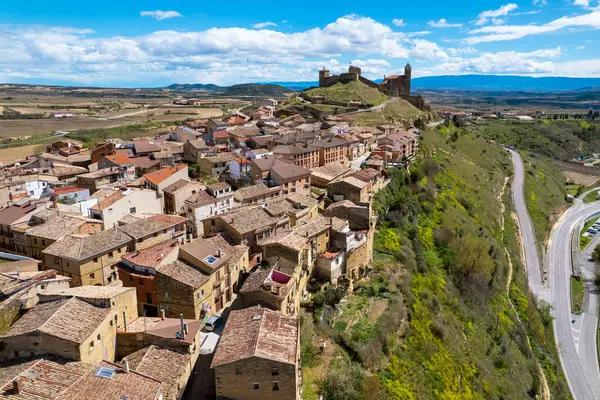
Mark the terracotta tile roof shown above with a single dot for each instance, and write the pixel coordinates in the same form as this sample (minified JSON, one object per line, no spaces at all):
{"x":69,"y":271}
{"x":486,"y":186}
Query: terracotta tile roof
{"x":253,"y":191}
{"x":201,"y":248}
{"x":290,"y":171}
{"x":357,"y":183}
{"x":127,"y":152}
{"x":198,"y":144}
{"x":221,"y":157}
{"x":157,"y":177}
{"x":218,"y":186}
{"x":265,"y":280}
{"x":143,"y":162}
{"x":145,"y":146}
{"x":70,"y":319}
{"x":70,"y":189}
{"x":84,"y":247}
{"x":201,"y":197}
{"x":120,"y":159}
{"x":366,"y":174}
{"x":57,"y":227}
{"x":330,"y":171}
{"x":221,"y":135}
{"x":249,"y":219}
{"x":258,"y":332}
{"x":163,"y":364}
{"x":167,"y":328}
{"x":108,"y":200}
{"x":152,"y":256}
{"x":131,"y":385}
{"x":142,"y":227}
{"x":13,"y":213}
{"x":91,"y":292}
{"x":183,"y":273}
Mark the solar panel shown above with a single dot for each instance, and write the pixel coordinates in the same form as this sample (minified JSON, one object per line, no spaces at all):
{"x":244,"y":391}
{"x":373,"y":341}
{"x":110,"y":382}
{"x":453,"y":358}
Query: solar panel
{"x":104,"y":372}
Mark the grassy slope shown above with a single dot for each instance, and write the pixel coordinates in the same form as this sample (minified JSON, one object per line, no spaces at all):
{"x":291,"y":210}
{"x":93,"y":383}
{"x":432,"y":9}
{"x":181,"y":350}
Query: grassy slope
{"x":352,"y":91}
{"x":397,"y":111}
{"x":557,"y":139}
{"x":462,"y":341}
{"x":544,"y":193}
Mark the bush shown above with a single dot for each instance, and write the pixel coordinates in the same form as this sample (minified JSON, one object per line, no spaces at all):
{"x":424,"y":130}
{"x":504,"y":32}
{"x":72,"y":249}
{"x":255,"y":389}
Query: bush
{"x":345,"y":381}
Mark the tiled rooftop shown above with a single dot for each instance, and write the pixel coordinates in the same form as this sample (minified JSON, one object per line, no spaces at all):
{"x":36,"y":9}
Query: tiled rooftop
{"x":160,"y":175}
{"x":184,"y":273}
{"x":167,"y":328}
{"x":91,"y":292}
{"x":258,"y":332}
{"x":249,"y":219}
{"x":83,"y":247}
{"x":57,"y":227}
{"x":70,"y":319}
{"x":152,"y":256}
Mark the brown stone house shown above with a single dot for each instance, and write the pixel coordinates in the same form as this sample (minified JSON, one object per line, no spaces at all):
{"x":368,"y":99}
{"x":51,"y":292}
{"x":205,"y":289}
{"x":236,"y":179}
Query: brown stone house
{"x":195,"y":150}
{"x":291,"y":178}
{"x":176,"y":194}
{"x":258,"y":357}
{"x":331,"y":150}
{"x":303,"y":154}
{"x":258,"y":193}
{"x":349,"y":188}
{"x":261,"y":167}
{"x":272,"y":289}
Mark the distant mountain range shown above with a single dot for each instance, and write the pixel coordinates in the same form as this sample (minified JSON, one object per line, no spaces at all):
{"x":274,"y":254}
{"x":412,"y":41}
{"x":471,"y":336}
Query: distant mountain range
{"x":245,"y":89}
{"x":444,"y":82}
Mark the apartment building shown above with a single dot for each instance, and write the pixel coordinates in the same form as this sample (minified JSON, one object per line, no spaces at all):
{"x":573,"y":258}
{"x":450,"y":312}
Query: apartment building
{"x":177,"y":193}
{"x":215,"y":200}
{"x":303,"y":154}
{"x":113,"y":205}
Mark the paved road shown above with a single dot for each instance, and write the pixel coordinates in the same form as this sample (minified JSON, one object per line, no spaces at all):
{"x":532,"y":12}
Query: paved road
{"x":576,"y":341}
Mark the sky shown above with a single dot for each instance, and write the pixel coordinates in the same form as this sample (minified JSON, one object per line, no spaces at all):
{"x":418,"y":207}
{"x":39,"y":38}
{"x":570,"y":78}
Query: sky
{"x":151,"y":43}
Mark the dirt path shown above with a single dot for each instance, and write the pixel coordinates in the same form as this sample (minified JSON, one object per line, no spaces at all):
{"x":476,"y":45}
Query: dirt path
{"x":377,"y":308}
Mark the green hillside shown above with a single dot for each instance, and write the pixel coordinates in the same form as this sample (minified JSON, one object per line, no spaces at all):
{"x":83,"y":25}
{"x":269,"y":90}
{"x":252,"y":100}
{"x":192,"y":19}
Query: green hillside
{"x":398,"y":110}
{"x":344,"y":93}
{"x":446,"y":313}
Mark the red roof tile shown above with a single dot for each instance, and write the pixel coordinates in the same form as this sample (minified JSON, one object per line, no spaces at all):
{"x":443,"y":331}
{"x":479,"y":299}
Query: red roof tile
{"x":157,"y":177}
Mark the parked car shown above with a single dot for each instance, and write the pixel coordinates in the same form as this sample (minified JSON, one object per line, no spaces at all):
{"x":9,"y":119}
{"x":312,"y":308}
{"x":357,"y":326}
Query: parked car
{"x":592,"y":231}
{"x":212,"y":323}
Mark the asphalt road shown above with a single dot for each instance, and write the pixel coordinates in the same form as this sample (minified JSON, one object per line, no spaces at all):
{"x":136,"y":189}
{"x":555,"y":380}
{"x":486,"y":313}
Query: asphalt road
{"x":575,"y":335}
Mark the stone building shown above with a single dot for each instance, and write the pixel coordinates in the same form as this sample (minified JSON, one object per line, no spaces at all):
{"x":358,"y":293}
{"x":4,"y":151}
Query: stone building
{"x":176,"y":194}
{"x":272,"y":289}
{"x":393,"y":85}
{"x":258,"y":356}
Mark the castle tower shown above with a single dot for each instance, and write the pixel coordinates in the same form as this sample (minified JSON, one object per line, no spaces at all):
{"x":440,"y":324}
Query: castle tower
{"x":354,"y":70}
{"x":407,"y":78}
{"x":323,"y":75}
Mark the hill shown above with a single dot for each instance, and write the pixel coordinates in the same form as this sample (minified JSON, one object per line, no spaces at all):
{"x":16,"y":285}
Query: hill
{"x":423,"y":326}
{"x":397,"y":111}
{"x":244,"y":89}
{"x":343,"y":93}
{"x":486,"y":83}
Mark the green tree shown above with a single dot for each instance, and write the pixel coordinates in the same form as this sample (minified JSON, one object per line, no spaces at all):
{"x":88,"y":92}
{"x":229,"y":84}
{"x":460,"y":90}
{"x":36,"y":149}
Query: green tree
{"x":472,"y":257}
{"x":596,"y":254}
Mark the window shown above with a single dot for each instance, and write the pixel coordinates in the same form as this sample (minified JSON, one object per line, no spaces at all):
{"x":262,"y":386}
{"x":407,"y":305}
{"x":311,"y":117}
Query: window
{"x":197,"y":295}
{"x":95,"y":259}
{"x":130,"y":278}
{"x":132,"y":210}
{"x":119,"y":251}
{"x":91,"y":345}
{"x":275,"y":385}
{"x":274,"y":371}
{"x":43,"y":242}
{"x":110,"y":255}
{"x":141,"y":282}
{"x":34,"y":241}
{"x":16,"y":353}
{"x":256,"y":386}
{"x":202,"y":292}
{"x":167,"y":295}
{"x":148,"y":298}
{"x":92,"y":275}
{"x":98,"y":337}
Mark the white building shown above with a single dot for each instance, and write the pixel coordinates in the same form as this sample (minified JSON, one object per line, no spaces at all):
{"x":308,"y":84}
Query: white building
{"x":115,"y":204}
{"x":216,"y":199}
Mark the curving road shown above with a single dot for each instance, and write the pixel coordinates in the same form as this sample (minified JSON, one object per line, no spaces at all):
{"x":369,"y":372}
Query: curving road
{"x":575,"y":335}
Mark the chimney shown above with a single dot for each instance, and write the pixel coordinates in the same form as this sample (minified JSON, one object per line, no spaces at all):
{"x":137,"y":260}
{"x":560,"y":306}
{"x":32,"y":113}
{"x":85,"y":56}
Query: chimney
{"x":18,"y":385}
{"x":185,"y":329}
{"x":182,"y":325}
{"x":126,"y":366}
{"x":162,"y":314}
{"x":55,"y":202}
{"x":124,"y":321}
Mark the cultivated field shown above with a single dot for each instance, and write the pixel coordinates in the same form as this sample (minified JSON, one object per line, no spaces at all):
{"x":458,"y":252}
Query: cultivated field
{"x":20,"y":128}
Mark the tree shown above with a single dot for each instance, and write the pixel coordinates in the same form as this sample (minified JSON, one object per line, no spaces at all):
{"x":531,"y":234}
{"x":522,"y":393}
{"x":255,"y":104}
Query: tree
{"x":596,"y":254}
{"x":472,"y":257}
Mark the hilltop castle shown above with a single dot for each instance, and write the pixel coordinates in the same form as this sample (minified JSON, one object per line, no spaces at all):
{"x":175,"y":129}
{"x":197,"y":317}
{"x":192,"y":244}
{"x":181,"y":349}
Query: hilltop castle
{"x":393,"y":85}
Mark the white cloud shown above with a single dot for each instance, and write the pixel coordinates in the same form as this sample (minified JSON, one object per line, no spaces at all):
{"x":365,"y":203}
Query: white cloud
{"x":512,"y":32}
{"x":580,"y":48}
{"x":262,"y":25}
{"x":160,"y":15}
{"x":442,"y":23}
{"x":284,"y":21}
{"x":494,"y":15}
{"x":539,"y":3}
{"x":583,"y":3}
{"x":398,"y":22}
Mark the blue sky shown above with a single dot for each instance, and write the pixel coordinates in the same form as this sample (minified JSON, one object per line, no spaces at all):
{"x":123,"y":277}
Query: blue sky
{"x":131,"y":43}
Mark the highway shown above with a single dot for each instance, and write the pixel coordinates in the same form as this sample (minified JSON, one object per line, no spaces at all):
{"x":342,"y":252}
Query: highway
{"x":575,"y":335}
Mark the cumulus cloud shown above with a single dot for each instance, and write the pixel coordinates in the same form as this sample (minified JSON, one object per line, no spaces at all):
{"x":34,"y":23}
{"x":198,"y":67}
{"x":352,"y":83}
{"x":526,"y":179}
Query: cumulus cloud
{"x":160,"y":15}
{"x":442,"y":23}
{"x":583,"y":3}
{"x":494,"y":15}
{"x":262,"y":25}
{"x":398,"y":22}
{"x":539,"y":3}
{"x":512,"y":32}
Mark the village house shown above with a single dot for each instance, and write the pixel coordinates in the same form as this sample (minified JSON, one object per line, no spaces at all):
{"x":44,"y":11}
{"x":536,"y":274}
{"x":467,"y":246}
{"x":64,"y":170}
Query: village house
{"x":349,"y":188}
{"x":291,"y":178}
{"x":144,"y":165}
{"x":215,"y":165}
{"x":43,"y":235}
{"x":96,"y":180}
{"x":70,"y":194}
{"x":149,"y":229}
{"x":239,"y":168}
{"x":183,"y":134}
{"x":404,"y":145}
{"x":145,"y":147}
{"x":160,"y":179}
{"x":177,"y":193}
{"x":195,"y":150}
{"x":322,"y":176}
{"x":216,"y":199}
{"x":14,"y":216}
{"x":118,"y":161}
{"x":256,"y":194}
{"x":246,"y":225}
{"x":294,"y":209}
{"x":55,"y":378}
{"x":77,"y":327}
{"x":376,"y":180}
{"x":258,"y":357}
{"x":261,"y":167}
{"x":222,"y":263}
{"x":113,"y":205}
{"x":331,"y":150}
{"x":90,"y":259}
{"x":303,"y":154}
{"x":272,"y":289}
{"x":19,"y":291}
